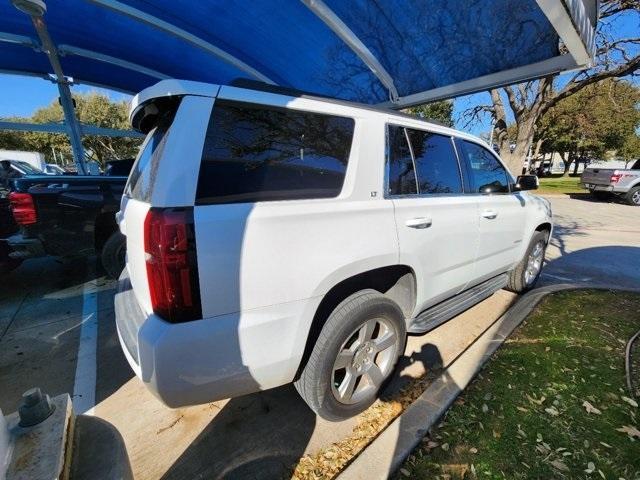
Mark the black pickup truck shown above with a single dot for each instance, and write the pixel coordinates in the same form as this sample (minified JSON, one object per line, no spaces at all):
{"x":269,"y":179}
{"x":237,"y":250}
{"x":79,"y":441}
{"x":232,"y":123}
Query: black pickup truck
{"x":68,"y":215}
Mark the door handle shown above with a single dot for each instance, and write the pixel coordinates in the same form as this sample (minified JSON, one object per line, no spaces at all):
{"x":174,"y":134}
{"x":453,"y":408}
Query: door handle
{"x":490,"y":214}
{"x":418,"y":222}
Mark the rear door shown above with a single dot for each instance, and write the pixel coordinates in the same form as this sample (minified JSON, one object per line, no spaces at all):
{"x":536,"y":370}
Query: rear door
{"x":437,"y":224}
{"x":501,"y":212}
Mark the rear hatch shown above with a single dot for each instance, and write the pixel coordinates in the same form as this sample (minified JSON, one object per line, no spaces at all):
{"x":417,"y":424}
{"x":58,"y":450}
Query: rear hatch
{"x":156,"y":211}
{"x":136,"y":202}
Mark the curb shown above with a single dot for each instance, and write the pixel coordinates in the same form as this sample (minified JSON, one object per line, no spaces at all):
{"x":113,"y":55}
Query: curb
{"x":387,"y":452}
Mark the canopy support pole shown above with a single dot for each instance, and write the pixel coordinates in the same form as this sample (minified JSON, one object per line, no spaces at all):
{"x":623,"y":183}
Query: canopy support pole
{"x":35,"y":9}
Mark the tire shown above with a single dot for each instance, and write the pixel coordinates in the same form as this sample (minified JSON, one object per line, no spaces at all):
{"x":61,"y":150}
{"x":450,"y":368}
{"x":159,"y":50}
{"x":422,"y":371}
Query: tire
{"x":521,"y":279}
{"x":113,"y":255}
{"x":600,"y":195}
{"x":633,"y":196}
{"x":354,"y":328}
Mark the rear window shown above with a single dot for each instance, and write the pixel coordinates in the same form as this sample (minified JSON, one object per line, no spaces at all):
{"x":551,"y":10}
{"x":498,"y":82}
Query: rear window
{"x":143,"y":174}
{"x":258,"y":153}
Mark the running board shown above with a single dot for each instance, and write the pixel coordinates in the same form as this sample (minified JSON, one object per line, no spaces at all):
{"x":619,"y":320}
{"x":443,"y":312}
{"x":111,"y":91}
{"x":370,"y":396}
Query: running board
{"x":445,"y":311}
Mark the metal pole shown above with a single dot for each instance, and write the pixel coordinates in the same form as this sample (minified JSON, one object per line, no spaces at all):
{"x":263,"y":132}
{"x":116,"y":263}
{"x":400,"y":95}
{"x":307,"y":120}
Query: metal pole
{"x":66,"y":101}
{"x":73,"y":128}
{"x":36,"y":9}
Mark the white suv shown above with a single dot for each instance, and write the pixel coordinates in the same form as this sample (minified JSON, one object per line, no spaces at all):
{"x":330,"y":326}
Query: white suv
{"x":276,"y":238}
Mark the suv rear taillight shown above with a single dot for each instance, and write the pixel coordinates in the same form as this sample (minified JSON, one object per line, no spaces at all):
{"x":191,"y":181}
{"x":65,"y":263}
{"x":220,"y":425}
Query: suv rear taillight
{"x":615,"y":178}
{"x":24,"y":211}
{"x":172,"y":268}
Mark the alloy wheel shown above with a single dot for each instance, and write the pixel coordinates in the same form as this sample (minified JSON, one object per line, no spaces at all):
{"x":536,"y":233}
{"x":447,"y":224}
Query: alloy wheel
{"x":364,"y":361}
{"x":534,"y":263}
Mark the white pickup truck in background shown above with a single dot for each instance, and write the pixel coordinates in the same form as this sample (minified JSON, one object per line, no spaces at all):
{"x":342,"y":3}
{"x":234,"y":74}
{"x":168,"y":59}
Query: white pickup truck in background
{"x":603,"y":182}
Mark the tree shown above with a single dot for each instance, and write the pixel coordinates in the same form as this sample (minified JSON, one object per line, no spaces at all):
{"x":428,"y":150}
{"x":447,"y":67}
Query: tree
{"x":527,"y":102}
{"x":91,"y":109}
{"x":596,"y":119}
{"x":630,"y":150}
{"x":441,"y":112}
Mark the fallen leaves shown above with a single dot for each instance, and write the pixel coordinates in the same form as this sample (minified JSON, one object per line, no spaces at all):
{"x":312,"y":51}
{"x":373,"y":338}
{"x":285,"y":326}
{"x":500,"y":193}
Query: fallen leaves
{"x":559,"y":465}
{"x":629,"y":430}
{"x":553,"y":411}
{"x":590,"y":408}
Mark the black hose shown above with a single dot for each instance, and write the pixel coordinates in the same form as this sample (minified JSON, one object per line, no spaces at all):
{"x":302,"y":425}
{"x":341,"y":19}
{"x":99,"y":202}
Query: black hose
{"x":627,"y":364}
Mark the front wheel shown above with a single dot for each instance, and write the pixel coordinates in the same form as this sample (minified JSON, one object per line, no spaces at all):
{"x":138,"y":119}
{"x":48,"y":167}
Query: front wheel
{"x":526,"y":274}
{"x":354,"y":356}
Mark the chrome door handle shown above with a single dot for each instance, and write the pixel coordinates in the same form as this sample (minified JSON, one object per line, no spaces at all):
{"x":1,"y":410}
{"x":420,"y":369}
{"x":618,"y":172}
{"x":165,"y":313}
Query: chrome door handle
{"x":490,"y":214}
{"x":418,"y":222}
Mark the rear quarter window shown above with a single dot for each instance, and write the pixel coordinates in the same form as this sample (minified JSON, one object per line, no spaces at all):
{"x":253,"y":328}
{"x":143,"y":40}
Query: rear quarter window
{"x":256,"y":153}
{"x":144,"y":171}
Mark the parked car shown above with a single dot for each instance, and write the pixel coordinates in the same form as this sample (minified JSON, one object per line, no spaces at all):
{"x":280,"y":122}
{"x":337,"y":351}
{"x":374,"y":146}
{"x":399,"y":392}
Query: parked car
{"x":604,"y":182}
{"x":119,"y":167}
{"x":68,"y":215}
{"x":9,"y":169}
{"x":274,"y":238}
{"x":53,"y":169}
{"x":35,"y":159}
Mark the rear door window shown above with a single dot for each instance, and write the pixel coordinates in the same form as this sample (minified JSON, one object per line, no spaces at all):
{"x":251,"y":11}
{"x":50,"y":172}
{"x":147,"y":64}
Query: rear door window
{"x":436,"y":163}
{"x":401,"y":172}
{"x":258,"y":153}
{"x":486,"y":173}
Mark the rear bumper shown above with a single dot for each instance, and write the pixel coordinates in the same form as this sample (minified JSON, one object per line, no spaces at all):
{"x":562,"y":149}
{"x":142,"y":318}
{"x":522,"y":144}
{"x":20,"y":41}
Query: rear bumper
{"x":22,"y":248}
{"x":594,"y":187}
{"x":211,"y":359}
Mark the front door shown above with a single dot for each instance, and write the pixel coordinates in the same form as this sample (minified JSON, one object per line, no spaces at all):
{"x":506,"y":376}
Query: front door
{"x":501,"y":212}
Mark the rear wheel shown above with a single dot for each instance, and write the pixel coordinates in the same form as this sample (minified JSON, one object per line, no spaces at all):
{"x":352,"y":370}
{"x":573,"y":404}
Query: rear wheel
{"x":113,"y":254}
{"x":354,"y":356}
{"x":526,"y":274}
{"x":633,"y":196}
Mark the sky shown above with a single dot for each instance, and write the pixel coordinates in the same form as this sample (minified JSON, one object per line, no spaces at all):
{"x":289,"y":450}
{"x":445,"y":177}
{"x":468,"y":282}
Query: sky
{"x":21,"y":96}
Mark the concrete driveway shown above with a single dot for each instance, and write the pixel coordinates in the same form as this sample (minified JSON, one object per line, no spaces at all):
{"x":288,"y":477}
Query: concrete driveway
{"x":47,"y":308}
{"x":593,"y":242}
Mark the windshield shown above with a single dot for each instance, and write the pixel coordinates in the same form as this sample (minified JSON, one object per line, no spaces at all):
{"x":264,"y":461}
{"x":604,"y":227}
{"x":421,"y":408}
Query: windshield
{"x":26,"y":168}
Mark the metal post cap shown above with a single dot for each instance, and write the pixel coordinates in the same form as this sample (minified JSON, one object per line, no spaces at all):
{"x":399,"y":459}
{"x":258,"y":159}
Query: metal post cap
{"x":36,"y":407}
{"x":34,"y":8}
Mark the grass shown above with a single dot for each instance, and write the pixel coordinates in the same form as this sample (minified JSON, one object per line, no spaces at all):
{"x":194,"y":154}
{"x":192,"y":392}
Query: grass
{"x":552,"y":403}
{"x":560,"y":185}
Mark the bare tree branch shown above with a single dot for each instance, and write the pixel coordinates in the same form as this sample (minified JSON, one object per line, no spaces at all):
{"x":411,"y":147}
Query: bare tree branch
{"x":513,"y":101}
{"x":575,"y":86}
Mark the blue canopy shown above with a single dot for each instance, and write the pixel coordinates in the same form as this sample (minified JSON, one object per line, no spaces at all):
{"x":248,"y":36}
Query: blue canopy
{"x":372,"y":51}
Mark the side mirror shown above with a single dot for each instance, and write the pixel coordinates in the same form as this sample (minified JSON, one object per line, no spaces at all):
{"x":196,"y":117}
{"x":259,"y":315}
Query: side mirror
{"x":527,"y":182}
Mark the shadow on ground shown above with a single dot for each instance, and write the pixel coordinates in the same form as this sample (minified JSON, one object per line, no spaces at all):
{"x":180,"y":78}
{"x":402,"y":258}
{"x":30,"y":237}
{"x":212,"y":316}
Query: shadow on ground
{"x":616,"y":266}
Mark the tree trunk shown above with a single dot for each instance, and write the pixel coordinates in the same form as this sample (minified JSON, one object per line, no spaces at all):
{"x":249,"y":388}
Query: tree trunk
{"x":568,"y":160}
{"x":538,"y":147}
{"x":576,"y":164}
{"x":515,"y":160}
